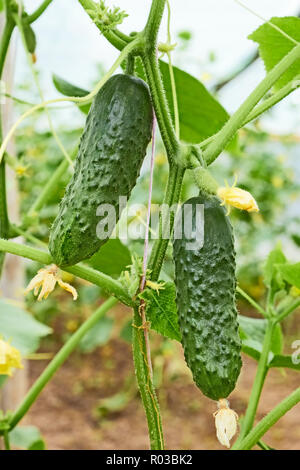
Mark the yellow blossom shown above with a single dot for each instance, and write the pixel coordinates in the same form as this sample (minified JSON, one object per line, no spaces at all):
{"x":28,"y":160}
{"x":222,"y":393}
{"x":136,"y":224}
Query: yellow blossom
{"x":44,"y":282}
{"x":237,"y":197}
{"x":10,"y":357}
{"x":226,"y":422}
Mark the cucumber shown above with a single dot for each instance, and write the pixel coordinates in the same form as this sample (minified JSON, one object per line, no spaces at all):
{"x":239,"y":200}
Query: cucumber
{"x":111,"y":152}
{"x":205,"y":297}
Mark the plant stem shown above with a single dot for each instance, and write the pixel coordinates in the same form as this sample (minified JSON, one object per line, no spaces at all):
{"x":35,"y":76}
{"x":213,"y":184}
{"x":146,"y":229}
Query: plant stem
{"x":261,"y":372}
{"x":268,"y":421}
{"x":58,"y":360}
{"x":109,"y":284}
{"x":154,"y":20}
{"x":232,"y":125}
{"x":160,"y":104}
{"x":145,"y":384}
{"x":251,"y":301}
{"x":263,"y":446}
{"x":272,"y":100}
{"x":172,"y":198}
{"x":286,"y":312}
{"x":39,"y":11}
{"x":263,"y":107}
{"x":6,"y":440}
{"x":4,"y":221}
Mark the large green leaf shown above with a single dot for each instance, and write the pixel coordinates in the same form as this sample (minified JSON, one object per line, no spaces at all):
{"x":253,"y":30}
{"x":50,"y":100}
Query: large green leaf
{"x":27,"y":437}
{"x":68,"y":89}
{"x":97,"y":336}
{"x":161,"y":310}
{"x":200,"y":114}
{"x":20,"y":328}
{"x":273,"y":45}
{"x":290,"y":273}
{"x":112,"y":258}
{"x":1,"y":5}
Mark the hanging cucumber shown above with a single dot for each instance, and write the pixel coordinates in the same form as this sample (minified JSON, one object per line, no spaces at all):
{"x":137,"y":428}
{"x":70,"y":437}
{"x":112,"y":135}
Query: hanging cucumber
{"x":111,"y":152}
{"x":205,"y":284}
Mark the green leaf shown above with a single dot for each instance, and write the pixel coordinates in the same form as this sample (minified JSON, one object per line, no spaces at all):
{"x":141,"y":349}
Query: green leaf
{"x":112,"y":258}
{"x":252,"y":332}
{"x":273,"y":45}
{"x":97,"y":336}
{"x":27,"y":437}
{"x":161,"y":310}
{"x":68,"y":89}
{"x":1,"y":5}
{"x":200,"y":114}
{"x":275,"y":257}
{"x":19,"y":327}
{"x":290,"y":273}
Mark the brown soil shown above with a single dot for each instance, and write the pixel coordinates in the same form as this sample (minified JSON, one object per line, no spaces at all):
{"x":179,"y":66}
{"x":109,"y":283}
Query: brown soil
{"x":67,"y":417}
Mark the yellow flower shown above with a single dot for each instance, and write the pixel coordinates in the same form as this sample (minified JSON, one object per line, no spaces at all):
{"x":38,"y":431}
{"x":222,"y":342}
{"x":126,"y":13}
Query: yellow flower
{"x":237,"y":197}
{"x":226,"y":422}
{"x":45,"y":281}
{"x":10,"y":357}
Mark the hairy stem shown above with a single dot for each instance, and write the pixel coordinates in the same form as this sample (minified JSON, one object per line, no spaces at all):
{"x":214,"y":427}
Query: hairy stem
{"x":234,"y":123}
{"x":4,"y":221}
{"x":109,"y":284}
{"x":160,"y":105}
{"x":143,"y":376}
{"x":268,"y":421}
{"x":172,"y":198}
{"x":58,"y":360}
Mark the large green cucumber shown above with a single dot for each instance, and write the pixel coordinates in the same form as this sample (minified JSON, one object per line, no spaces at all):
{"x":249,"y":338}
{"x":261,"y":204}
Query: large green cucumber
{"x":111,"y":152}
{"x":205,"y":284}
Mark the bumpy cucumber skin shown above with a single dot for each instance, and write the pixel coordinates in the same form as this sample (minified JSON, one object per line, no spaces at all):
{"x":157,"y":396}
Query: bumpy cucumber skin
{"x":111,"y":152}
{"x":205,"y":284}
